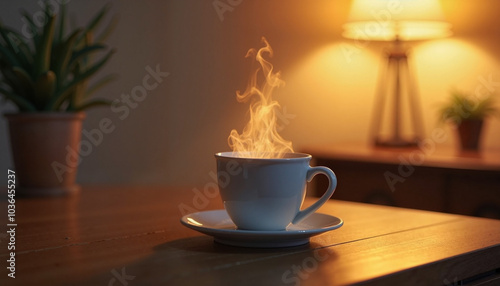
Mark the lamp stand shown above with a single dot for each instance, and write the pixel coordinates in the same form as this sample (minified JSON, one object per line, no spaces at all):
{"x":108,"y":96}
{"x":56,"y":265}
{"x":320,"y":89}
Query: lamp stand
{"x":398,"y":69}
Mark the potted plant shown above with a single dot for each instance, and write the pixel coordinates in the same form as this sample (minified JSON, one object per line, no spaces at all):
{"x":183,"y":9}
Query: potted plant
{"x":46,"y":76}
{"x":467,"y":113}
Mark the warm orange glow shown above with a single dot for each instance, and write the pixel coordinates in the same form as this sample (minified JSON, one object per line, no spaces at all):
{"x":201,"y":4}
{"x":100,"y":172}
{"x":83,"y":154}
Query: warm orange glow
{"x":260,"y":138}
{"x":340,"y":80}
{"x":389,"y":20}
{"x":330,"y":92}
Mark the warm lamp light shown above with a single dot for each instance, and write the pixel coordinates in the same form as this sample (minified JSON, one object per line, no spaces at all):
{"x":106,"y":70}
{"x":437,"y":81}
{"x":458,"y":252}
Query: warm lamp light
{"x":388,"y":20}
{"x":396,"y":21}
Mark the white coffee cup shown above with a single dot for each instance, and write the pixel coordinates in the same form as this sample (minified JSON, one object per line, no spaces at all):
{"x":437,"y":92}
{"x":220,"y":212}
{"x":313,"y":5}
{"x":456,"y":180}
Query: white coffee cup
{"x":266,"y":194}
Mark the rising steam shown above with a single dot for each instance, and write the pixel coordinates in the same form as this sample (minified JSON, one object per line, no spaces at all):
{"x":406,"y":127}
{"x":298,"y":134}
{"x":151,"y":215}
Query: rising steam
{"x":260,"y":139}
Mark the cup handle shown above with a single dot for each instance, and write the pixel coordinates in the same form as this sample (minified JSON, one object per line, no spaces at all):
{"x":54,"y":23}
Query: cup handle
{"x":313,"y":171}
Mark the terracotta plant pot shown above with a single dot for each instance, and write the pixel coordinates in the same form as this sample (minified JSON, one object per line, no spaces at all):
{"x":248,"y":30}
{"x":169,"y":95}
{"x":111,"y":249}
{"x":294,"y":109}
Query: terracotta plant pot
{"x":45,"y":150}
{"x":469,"y":133}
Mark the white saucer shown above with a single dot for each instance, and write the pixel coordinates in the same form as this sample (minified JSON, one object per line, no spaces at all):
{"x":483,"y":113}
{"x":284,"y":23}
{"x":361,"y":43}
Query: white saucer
{"x":217,"y":223}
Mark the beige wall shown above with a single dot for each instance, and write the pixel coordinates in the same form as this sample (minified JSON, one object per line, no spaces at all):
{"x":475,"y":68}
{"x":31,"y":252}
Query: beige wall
{"x":170,"y":137}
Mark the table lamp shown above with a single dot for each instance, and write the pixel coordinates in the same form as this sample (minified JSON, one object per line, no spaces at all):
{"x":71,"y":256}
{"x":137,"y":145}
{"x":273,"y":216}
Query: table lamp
{"x":396,"y":21}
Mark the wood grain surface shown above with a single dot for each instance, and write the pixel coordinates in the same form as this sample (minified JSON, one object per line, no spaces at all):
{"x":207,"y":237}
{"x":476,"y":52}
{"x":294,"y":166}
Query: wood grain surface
{"x":132,"y":236}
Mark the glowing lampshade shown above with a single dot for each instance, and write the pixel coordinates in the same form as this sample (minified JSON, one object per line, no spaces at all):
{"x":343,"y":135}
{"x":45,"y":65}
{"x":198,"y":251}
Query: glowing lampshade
{"x":389,"y":20}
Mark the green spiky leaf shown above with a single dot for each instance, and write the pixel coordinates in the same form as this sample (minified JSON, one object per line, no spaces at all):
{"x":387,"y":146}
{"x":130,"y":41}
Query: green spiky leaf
{"x":94,"y":23}
{"x":63,"y":60}
{"x":44,"y":47}
{"x":107,"y":30}
{"x":48,"y":70}
{"x":35,"y":34}
{"x":45,"y":87}
{"x":84,"y":52}
{"x":65,"y":91}
{"x":62,"y":24}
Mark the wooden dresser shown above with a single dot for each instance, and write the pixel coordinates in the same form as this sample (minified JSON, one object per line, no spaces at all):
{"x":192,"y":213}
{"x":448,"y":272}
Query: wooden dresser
{"x":434,"y":179}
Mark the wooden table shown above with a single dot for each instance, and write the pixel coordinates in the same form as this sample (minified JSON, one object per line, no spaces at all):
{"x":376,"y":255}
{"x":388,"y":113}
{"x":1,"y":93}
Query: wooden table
{"x":132,"y":236}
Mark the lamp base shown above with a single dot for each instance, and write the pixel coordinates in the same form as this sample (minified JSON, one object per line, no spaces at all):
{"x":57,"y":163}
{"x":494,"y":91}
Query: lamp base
{"x":404,"y":114}
{"x":396,"y":143}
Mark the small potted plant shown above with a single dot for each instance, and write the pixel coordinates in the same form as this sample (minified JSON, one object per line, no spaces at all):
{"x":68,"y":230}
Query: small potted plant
{"x":467,"y":113}
{"x":46,"y":76}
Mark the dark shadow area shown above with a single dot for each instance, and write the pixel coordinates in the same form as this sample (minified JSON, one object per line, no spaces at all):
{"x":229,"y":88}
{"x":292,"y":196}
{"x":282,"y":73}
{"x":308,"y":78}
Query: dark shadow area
{"x":201,"y":261}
